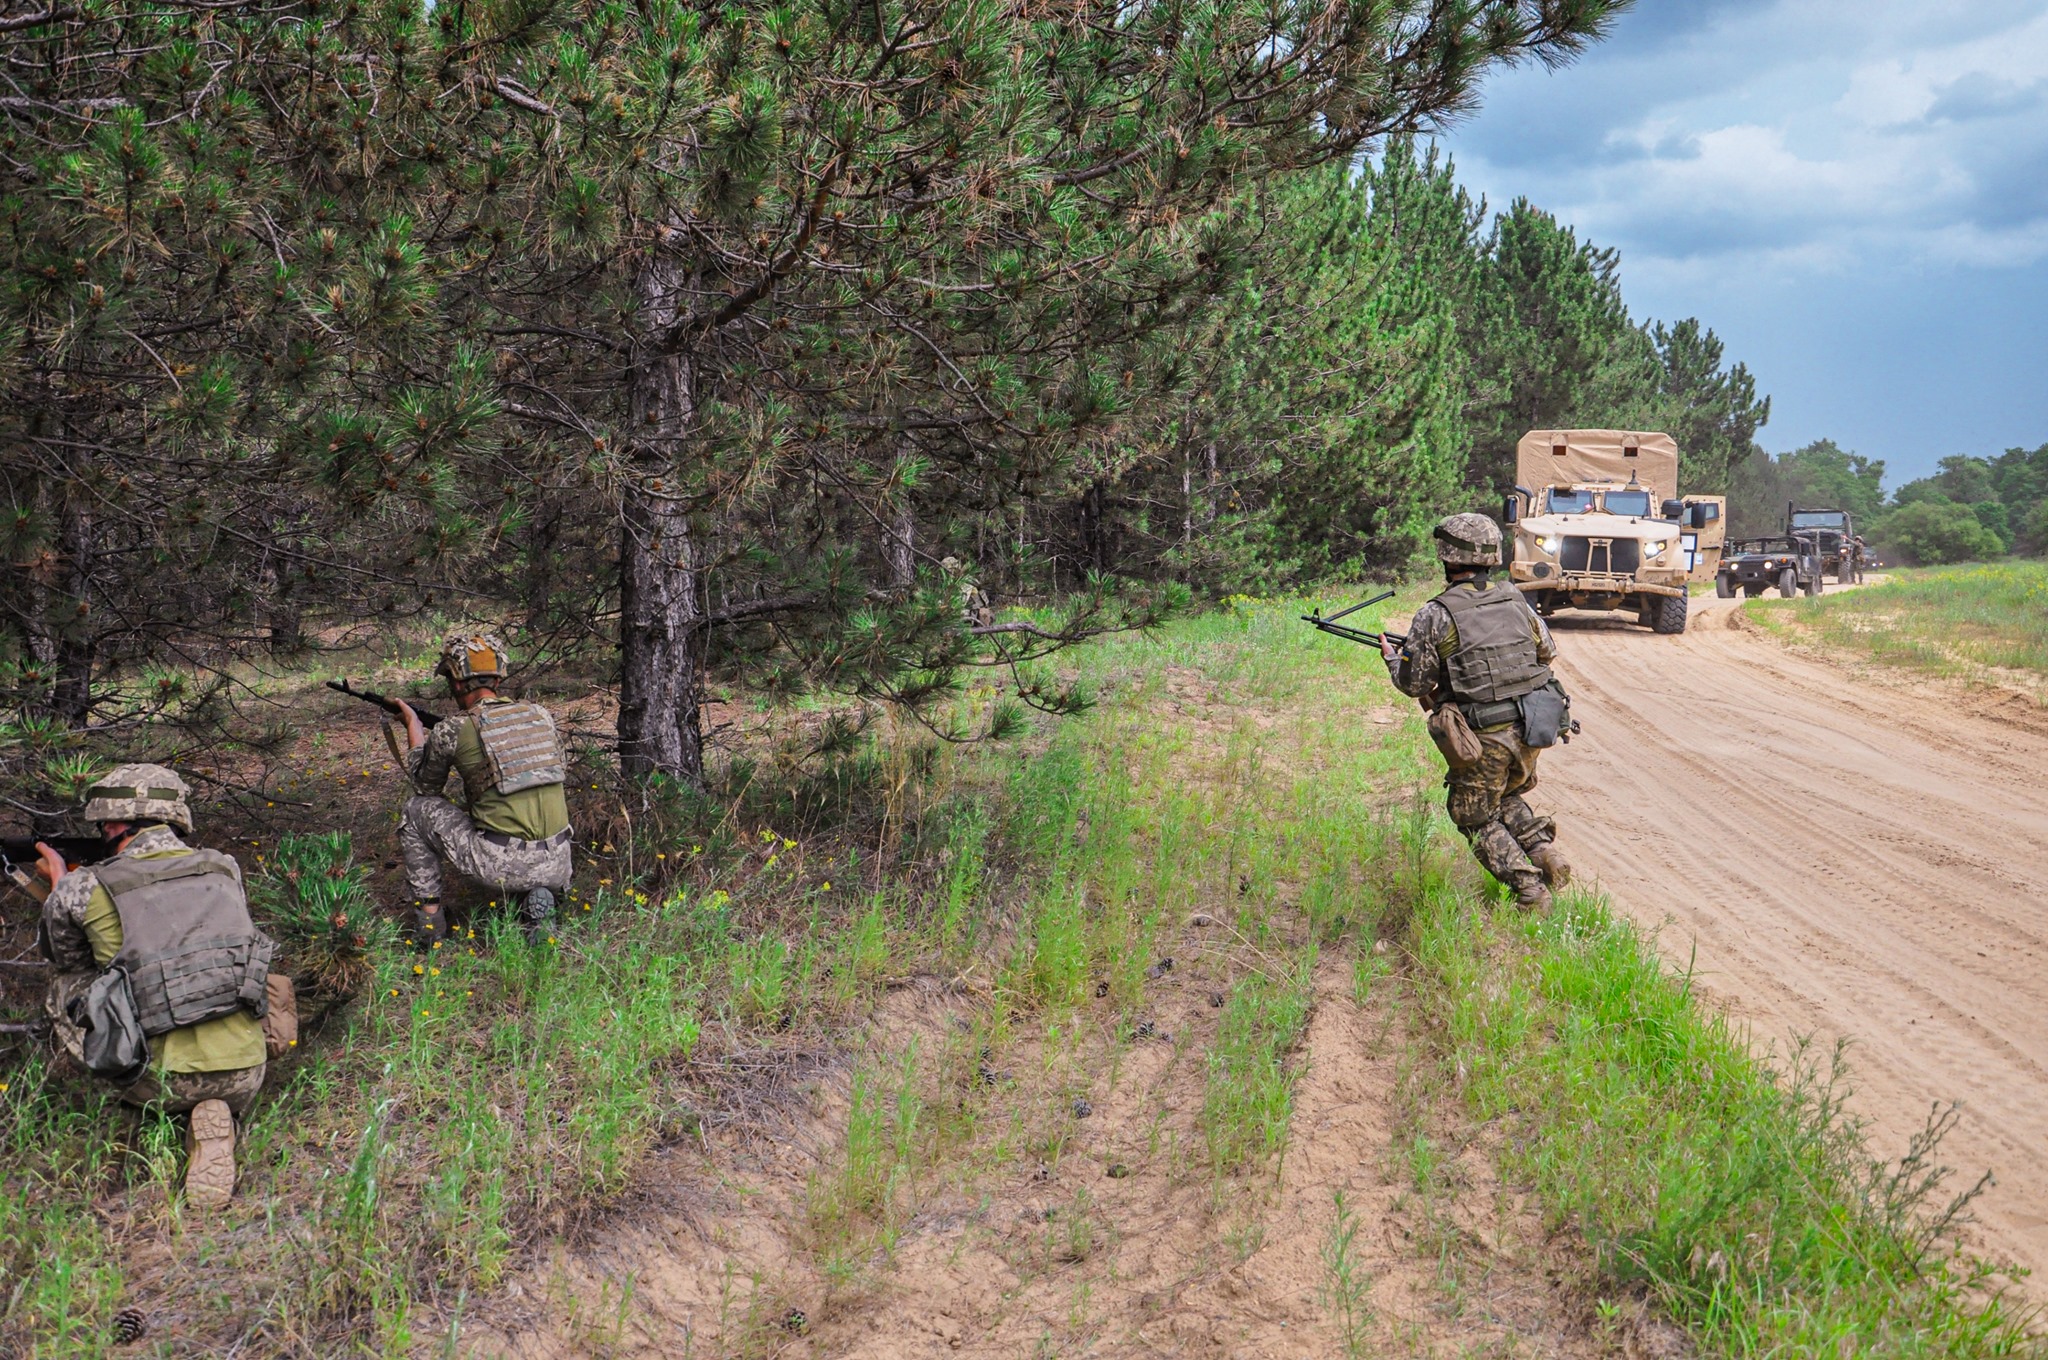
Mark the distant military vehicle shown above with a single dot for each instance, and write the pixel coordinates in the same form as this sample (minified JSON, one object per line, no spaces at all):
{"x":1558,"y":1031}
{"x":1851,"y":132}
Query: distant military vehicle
{"x":1599,"y":525}
{"x":1753,"y":565}
{"x":1833,"y":534}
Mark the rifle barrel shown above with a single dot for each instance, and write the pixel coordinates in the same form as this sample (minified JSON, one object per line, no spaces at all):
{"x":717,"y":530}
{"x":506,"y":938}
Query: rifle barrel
{"x":427,"y":718}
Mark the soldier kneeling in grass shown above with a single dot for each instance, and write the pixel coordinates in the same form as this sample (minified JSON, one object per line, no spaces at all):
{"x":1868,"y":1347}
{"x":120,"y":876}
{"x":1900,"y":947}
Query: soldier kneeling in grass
{"x":163,"y":986}
{"x":514,"y":837}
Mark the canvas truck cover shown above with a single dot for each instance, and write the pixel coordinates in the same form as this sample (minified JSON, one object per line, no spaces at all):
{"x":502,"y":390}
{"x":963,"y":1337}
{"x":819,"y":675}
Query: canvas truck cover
{"x":1555,"y":457}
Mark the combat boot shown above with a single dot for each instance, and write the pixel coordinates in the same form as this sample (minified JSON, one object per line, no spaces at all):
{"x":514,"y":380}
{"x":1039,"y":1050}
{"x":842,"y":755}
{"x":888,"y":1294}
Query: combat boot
{"x":537,"y":911}
{"x":429,"y":922}
{"x":210,"y":1156}
{"x":1530,"y":894}
{"x":1556,"y":870}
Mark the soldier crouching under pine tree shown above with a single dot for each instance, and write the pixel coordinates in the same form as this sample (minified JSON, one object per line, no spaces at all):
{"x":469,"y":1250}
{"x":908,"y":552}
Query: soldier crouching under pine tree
{"x":515,"y":837}
{"x":1478,"y":658}
{"x":162,"y":981}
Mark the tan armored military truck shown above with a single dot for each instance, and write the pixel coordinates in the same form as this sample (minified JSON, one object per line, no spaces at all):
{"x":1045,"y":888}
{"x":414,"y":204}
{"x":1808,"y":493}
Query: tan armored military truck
{"x":1599,"y":525}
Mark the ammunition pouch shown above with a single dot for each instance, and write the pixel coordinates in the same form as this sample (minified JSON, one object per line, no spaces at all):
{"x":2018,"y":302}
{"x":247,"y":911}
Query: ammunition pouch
{"x":110,"y":1027}
{"x":1454,"y":737}
{"x":1546,"y":715}
{"x":1487,"y":717}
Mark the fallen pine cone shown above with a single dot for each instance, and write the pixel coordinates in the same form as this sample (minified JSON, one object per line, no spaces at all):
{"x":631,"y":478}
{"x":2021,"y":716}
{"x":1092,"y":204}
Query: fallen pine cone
{"x":129,"y":1325}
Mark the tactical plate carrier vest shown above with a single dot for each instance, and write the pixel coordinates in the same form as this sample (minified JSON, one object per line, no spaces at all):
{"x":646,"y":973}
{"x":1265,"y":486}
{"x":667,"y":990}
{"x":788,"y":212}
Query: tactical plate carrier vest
{"x":1495,"y":659}
{"x":187,"y":944}
{"x":520,"y":743}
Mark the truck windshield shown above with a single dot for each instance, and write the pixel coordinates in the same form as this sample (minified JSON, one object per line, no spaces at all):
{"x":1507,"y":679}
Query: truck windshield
{"x":1628,"y":502}
{"x":1817,"y":519}
{"x":1564,"y":501}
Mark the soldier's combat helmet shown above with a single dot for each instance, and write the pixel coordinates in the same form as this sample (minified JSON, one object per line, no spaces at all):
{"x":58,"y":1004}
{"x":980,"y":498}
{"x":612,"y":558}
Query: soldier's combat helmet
{"x":140,"y":793}
{"x":467,"y":657}
{"x":1467,"y":540}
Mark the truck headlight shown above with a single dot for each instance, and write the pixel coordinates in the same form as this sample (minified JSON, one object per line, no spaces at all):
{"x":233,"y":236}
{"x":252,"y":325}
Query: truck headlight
{"x":1656,"y":549}
{"x":1551,"y":543}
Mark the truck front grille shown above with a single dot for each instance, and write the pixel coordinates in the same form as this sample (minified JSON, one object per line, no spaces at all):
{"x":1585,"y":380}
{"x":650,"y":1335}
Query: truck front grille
{"x":1613,"y":557}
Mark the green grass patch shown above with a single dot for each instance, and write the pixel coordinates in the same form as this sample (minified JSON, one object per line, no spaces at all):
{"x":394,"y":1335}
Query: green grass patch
{"x":1734,"y":1190}
{"x":1958,"y":621}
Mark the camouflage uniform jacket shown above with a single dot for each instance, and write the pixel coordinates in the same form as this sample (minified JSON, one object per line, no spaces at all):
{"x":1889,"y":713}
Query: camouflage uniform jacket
{"x":433,"y":759}
{"x":1417,"y":670}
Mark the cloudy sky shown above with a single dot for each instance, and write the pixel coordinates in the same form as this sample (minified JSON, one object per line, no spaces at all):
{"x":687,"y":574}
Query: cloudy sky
{"x":1853,"y":193}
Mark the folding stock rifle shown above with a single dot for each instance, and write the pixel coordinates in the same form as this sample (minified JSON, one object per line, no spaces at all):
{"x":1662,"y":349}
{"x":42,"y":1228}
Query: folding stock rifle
{"x":1328,"y":624}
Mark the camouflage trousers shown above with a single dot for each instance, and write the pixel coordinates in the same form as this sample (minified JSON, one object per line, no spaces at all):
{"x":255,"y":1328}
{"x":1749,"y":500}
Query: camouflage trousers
{"x":433,"y":829}
{"x":173,"y":1091}
{"x":1486,"y":804}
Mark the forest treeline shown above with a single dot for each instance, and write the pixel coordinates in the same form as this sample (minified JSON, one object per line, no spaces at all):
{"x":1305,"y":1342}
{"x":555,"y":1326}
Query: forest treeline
{"x":733,"y":347}
{"x":1970,"y":509}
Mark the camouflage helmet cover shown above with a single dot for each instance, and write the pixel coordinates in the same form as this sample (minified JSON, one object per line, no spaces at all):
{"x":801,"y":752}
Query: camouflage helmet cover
{"x":1468,"y":540}
{"x":472,"y":656}
{"x":140,"y":793}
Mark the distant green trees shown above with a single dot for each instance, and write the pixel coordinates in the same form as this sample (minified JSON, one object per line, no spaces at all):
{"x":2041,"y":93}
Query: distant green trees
{"x":1971,"y":508}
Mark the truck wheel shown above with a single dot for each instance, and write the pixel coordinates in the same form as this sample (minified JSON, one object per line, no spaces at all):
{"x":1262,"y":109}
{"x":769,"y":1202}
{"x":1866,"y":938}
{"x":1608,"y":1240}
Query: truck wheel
{"x":1724,"y":587}
{"x":1847,"y":576}
{"x":1813,"y":585}
{"x":1788,"y":583}
{"x":1667,"y":614}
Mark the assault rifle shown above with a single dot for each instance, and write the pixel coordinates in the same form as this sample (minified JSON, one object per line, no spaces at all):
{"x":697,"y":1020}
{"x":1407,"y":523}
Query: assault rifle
{"x":1328,"y":624}
{"x":18,"y":858}
{"x":427,"y":720}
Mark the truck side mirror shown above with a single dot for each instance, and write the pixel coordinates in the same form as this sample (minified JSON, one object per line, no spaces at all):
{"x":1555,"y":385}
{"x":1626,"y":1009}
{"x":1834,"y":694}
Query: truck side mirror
{"x":1698,"y":517}
{"x":1511,"y":510}
{"x":1673,"y":509}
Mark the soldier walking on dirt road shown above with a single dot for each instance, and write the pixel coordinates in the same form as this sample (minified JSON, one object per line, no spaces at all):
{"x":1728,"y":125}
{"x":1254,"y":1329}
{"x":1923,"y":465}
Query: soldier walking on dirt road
{"x":1478,"y":658}
{"x":515,"y":835}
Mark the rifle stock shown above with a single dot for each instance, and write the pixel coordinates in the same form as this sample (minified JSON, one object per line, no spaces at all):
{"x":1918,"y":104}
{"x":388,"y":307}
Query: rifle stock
{"x":1327,"y":623}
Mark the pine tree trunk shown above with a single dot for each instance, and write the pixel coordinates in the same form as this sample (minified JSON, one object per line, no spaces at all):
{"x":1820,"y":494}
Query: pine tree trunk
{"x":280,"y":612}
{"x":660,"y":584}
{"x":898,"y":551}
{"x":72,"y":699}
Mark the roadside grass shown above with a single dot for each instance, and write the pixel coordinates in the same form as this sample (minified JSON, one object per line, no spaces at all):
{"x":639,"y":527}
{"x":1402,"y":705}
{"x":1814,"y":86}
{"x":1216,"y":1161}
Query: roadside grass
{"x":1962,"y":621}
{"x":1730,"y":1186}
{"x":1727,"y":1184}
{"x":1245,"y":781}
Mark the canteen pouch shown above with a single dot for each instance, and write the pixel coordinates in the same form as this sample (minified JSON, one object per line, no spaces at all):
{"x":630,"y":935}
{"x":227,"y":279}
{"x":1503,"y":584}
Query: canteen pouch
{"x":1546,"y":716}
{"x":1454,"y":736}
{"x":280,"y":1016}
{"x":105,"y":1014}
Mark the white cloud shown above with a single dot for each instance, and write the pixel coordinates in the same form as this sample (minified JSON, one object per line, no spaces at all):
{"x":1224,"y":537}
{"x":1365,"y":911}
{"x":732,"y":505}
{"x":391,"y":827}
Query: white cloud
{"x":1854,"y":192}
{"x":1857,"y":135}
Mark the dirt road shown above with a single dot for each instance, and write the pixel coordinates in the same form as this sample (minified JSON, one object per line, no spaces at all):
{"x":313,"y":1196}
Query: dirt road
{"x":1854,"y":855}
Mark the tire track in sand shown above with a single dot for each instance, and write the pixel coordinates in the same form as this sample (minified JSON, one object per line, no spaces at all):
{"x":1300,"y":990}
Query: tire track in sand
{"x":1849,"y":858}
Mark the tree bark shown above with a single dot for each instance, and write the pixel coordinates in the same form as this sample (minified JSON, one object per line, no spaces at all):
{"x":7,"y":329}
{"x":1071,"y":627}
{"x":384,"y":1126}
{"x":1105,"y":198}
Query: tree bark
{"x":72,"y":698}
{"x":898,"y":551}
{"x":660,"y":576}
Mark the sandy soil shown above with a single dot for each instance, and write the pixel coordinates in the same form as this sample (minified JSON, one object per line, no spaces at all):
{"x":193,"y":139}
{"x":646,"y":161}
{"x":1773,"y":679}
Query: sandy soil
{"x":1852,"y":854}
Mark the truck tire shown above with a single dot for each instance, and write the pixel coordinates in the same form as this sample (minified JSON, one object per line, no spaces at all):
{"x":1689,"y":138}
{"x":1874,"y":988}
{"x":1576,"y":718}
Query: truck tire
{"x":1847,"y":576}
{"x":1813,"y":585}
{"x":1667,"y":614}
{"x":1724,"y":586}
{"x":1788,"y":582}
